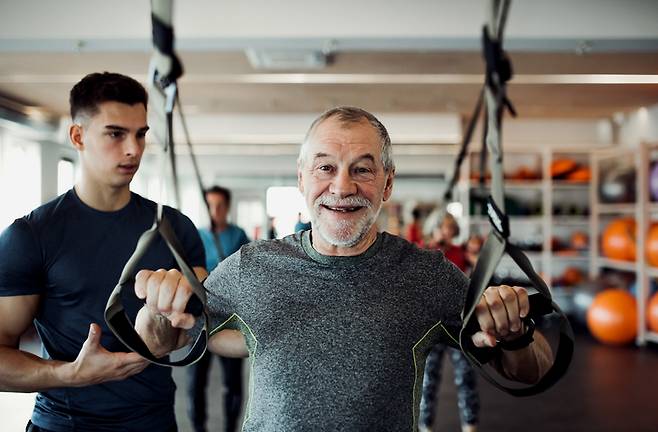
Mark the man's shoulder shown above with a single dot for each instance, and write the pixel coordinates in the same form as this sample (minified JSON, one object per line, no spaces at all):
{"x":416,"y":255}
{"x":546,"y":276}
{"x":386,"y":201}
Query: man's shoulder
{"x":50,"y":212}
{"x":289,"y":245}
{"x":396,"y":247}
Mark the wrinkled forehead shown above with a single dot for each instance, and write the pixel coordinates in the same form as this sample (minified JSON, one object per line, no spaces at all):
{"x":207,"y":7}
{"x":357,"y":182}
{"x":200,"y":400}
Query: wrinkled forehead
{"x":337,"y":138}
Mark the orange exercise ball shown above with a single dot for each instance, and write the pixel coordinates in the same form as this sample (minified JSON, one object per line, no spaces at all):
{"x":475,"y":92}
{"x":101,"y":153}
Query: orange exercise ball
{"x":612,"y":317}
{"x":579,"y":240}
{"x":562,"y":167}
{"x":573,"y":276}
{"x":580,"y":175}
{"x":618,"y":240}
{"x":652,"y":245}
{"x":652,"y":313}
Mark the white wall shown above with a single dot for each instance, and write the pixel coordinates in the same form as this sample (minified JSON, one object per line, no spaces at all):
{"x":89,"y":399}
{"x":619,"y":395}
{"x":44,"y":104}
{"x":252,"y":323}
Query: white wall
{"x":639,"y":126}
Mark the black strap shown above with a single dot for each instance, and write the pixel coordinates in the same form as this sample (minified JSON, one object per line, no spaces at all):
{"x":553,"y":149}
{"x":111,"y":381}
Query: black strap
{"x":115,"y":315}
{"x":165,"y":69}
{"x":498,"y":72}
{"x":541,"y":304}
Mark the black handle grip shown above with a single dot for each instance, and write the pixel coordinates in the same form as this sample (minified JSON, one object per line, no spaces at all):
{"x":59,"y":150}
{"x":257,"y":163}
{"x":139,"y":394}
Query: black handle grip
{"x":194,"y":306}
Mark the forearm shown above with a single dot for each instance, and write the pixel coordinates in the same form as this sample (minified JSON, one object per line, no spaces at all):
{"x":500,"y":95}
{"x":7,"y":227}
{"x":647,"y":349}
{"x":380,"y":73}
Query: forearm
{"x":25,"y":372}
{"x":228,"y":343}
{"x":158,"y":334}
{"x":526,"y":365}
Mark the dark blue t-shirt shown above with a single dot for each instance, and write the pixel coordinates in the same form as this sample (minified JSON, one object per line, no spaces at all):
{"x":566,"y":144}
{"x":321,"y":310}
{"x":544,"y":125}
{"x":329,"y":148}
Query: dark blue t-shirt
{"x":72,"y":256}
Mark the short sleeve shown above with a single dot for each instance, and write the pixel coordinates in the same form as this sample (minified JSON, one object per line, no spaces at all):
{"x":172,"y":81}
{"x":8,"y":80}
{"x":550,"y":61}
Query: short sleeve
{"x":21,"y":262}
{"x":223,"y":287}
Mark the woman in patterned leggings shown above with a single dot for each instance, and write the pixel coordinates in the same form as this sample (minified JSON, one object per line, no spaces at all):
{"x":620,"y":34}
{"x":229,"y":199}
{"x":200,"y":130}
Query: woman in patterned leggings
{"x":468,"y":399}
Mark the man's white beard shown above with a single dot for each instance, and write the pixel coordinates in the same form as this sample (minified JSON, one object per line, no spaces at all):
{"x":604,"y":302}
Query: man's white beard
{"x":343,"y":233}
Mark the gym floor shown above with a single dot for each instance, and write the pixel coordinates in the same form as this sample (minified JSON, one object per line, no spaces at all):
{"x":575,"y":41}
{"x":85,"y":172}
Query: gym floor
{"x":606,"y":390}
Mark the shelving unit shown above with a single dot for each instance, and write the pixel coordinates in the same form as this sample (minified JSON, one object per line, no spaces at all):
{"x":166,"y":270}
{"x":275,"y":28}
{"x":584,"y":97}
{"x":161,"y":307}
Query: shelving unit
{"x":643,"y":210}
{"x":540,"y":191}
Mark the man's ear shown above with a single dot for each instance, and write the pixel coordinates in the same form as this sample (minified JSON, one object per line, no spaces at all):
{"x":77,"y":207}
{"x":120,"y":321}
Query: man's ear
{"x":300,"y":183}
{"x":388,"y":188}
{"x":75,"y":136}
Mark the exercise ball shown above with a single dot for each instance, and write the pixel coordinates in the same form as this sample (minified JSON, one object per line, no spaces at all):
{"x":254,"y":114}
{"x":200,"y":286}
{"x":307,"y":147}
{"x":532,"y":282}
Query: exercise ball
{"x":580,"y":175}
{"x":573,"y":276}
{"x":562,"y":167}
{"x":612,"y":317}
{"x":618,"y":240}
{"x":652,"y":245}
{"x":652,"y":313}
{"x":579,"y":240}
{"x":653,"y":182}
{"x":618,"y":185}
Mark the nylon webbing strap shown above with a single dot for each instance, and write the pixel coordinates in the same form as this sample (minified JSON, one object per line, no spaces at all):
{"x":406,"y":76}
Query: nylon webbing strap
{"x":498,"y":72}
{"x":165,"y":69}
{"x":215,"y":236}
{"x":119,"y":322}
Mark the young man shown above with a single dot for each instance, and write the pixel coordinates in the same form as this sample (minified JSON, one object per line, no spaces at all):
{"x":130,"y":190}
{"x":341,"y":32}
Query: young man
{"x":337,"y":321}
{"x":59,"y":264}
{"x":228,"y":237}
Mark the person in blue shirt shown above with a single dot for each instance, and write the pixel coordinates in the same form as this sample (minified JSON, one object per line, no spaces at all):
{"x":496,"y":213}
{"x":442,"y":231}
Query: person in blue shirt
{"x":302,"y":226}
{"x":59,"y":264}
{"x":219,"y":241}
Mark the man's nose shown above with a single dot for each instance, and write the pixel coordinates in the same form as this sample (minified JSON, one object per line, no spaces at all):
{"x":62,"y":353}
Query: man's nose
{"x":342,"y":184}
{"x":132,"y":146}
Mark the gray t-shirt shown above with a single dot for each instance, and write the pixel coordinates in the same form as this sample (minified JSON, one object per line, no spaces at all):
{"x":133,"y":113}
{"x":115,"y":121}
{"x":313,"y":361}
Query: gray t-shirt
{"x":336,"y":343}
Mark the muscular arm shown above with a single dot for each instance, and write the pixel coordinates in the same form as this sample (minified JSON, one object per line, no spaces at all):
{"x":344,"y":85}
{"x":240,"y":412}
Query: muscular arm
{"x":25,"y":372}
{"x":22,"y":371}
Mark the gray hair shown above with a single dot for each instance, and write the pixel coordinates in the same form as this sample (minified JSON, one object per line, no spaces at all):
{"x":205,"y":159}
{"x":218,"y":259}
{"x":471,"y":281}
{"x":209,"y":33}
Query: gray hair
{"x":351,"y":115}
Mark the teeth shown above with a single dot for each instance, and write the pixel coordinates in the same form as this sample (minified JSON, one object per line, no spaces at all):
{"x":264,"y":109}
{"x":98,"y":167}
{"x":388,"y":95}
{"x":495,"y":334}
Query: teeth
{"x":343,"y":209}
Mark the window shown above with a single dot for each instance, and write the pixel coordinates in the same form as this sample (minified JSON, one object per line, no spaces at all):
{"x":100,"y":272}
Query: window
{"x":284,"y":204}
{"x":65,"y":175}
{"x":20,"y":178}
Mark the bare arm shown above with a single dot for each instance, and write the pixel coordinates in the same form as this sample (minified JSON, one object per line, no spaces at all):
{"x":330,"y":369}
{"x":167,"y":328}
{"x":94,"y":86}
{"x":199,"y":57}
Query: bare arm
{"x":529,"y":364}
{"x":25,"y":372}
{"x":161,"y":323}
{"x":499,"y":313}
{"x":228,"y":343}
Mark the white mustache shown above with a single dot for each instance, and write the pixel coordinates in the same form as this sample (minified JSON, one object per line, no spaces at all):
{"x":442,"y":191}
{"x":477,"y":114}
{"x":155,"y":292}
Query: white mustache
{"x":352,"y":201}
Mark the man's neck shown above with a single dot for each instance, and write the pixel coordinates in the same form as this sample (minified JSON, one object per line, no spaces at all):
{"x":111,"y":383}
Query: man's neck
{"x":219,"y":227}
{"x":102,"y":198}
{"x":325,"y":248}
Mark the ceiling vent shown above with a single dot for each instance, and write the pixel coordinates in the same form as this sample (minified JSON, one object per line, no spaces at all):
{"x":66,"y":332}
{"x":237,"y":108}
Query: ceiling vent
{"x":287,"y":59}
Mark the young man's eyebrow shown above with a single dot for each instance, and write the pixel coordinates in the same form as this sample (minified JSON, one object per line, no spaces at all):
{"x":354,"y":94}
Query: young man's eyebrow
{"x":124,"y":129}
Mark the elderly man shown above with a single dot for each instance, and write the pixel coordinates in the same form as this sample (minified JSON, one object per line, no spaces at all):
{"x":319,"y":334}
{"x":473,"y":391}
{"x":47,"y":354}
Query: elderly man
{"x":337,"y":321}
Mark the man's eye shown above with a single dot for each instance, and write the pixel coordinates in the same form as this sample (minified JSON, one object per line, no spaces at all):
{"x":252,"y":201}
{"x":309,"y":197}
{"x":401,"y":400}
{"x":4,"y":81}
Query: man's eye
{"x":115,"y":134}
{"x":362,"y":170}
{"x":324,"y":167}
{"x":141,"y":135}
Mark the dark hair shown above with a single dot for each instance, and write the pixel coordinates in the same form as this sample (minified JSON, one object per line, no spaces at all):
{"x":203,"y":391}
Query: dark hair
{"x":97,"y":88}
{"x":220,"y":190}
